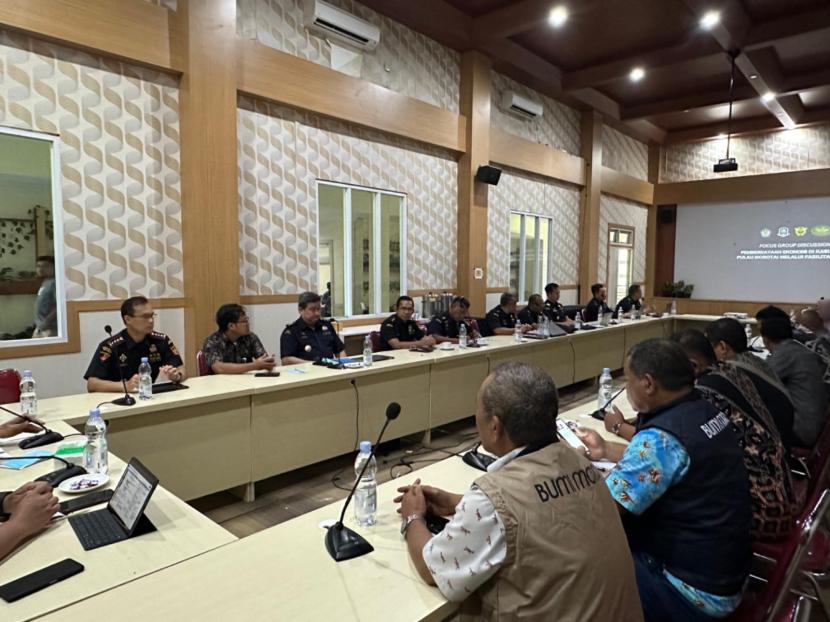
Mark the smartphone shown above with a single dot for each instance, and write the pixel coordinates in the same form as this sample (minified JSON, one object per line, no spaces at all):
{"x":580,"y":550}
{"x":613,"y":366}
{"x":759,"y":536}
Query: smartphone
{"x":568,"y":435}
{"x":266,"y":374}
{"x":36,"y":581}
{"x":86,"y":501}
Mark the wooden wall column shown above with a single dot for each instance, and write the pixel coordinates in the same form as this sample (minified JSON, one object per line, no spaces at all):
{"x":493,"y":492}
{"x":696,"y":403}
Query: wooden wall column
{"x":589,"y":214}
{"x":205,"y":36}
{"x":472,"y":195}
{"x":651,"y":288}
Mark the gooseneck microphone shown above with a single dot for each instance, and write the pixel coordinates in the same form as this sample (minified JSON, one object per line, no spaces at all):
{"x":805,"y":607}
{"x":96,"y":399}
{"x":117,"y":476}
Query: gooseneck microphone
{"x":55,"y":477}
{"x":599,"y":413}
{"x":47,"y":438}
{"x":127,"y":400}
{"x":341,"y":542}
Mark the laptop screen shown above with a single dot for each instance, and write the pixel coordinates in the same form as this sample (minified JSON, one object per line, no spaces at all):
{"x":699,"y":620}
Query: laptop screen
{"x":131,"y":496}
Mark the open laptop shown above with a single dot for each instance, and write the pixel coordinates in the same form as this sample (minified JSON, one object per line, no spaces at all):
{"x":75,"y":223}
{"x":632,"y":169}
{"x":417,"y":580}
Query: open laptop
{"x":121,"y":518}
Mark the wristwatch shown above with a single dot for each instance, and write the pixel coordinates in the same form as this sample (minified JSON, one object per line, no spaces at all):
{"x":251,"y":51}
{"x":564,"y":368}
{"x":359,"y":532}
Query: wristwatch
{"x":409,"y":520}
{"x":616,"y":428}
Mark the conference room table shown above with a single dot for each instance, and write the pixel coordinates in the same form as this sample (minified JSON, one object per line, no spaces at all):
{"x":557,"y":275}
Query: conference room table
{"x":181,"y":533}
{"x":228,"y":432}
{"x":285,"y":572}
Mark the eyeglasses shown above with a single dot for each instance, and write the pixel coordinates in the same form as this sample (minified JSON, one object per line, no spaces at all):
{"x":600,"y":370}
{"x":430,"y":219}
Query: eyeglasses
{"x":147,"y":316}
{"x":242,"y":321}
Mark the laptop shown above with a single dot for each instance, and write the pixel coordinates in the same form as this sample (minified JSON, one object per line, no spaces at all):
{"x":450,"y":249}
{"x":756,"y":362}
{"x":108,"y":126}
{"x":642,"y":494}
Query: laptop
{"x":122,"y":518}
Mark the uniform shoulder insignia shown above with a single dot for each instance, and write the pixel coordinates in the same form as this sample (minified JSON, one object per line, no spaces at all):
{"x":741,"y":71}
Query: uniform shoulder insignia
{"x":158,"y":335}
{"x":114,"y":341}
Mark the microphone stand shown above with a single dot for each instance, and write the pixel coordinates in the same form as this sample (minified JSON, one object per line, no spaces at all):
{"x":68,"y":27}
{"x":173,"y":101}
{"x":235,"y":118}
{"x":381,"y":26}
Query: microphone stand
{"x":599,"y":413}
{"x":127,"y":400}
{"x":341,"y":542}
{"x":47,"y":438}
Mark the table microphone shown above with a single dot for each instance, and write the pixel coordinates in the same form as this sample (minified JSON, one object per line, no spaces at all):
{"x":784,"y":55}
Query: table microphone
{"x":341,"y":542}
{"x":47,"y":438}
{"x":127,"y":400}
{"x":599,"y":413}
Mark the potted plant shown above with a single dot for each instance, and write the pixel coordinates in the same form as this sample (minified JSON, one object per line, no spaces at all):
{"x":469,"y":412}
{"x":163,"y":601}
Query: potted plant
{"x":677,"y":290}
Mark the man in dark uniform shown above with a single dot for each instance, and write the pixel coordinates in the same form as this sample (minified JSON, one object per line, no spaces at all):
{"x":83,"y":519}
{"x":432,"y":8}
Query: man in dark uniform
{"x":632,"y":302}
{"x":127,"y":348}
{"x":533,"y":312}
{"x":597,"y":306}
{"x":445,"y":327}
{"x":234,"y":349}
{"x":502,"y":319}
{"x":553,"y":308}
{"x":399,"y":331}
{"x":310,"y":338}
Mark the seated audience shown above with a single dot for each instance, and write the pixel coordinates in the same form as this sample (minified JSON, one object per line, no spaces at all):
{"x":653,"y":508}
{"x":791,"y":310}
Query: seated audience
{"x":234,"y":349}
{"x":445,"y":327}
{"x":127,"y":348}
{"x":553,"y":308}
{"x":800,"y":369}
{"x":400,"y":332}
{"x":310,"y":338}
{"x":729,"y":389}
{"x":820,"y":340}
{"x":537,"y":536}
{"x":682,"y":489}
{"x":502,"y":319}
{"x":596,"y":307}
{"x":534,"y":311}
{"x":729,"y":342}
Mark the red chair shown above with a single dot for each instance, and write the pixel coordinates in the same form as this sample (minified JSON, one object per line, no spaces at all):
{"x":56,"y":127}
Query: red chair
{"x":202,"y":365}
{"x":9,"y":386}
{"x":377,"y":345}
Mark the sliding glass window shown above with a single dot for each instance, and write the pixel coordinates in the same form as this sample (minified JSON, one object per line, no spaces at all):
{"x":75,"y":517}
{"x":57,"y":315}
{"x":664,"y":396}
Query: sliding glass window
{"x":530,"y":253}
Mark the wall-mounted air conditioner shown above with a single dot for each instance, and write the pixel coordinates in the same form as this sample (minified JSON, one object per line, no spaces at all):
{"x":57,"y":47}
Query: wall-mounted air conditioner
{"x":331,"y":22}
{"x":521,"y":106}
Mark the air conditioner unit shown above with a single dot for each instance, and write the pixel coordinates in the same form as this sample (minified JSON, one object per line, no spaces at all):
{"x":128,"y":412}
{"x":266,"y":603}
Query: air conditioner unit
{"x":334,"y":23}
{"x":521,"y":106}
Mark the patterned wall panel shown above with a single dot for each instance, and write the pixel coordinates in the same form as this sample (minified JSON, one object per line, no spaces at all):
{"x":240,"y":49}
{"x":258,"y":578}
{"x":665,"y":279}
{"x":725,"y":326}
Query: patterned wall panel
{"x":524,"y":193}
{"x":776,"y":152}
{"x":559,"y":125}
{"x":119,"y":130}
{"x":622,"y":212}
{"x":282,"y":152}
{"x":405,"y":61}
{"x":624,"y":154}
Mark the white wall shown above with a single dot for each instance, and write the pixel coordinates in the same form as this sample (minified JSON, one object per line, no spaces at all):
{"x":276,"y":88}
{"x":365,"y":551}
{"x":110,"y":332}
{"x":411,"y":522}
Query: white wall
{"x":63,"y":374}
{"x":269,"y":320}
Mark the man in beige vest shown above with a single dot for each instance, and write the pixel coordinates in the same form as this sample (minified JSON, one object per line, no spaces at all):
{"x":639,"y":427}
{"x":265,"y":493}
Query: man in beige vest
{"x":536,"y":538}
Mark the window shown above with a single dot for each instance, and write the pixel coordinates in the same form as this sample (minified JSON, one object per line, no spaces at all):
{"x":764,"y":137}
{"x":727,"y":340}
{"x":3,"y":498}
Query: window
{"x":530,"y":253}
{"x":31,"y":259}
{"x":620,"y":262}
{"x":362,"y":248}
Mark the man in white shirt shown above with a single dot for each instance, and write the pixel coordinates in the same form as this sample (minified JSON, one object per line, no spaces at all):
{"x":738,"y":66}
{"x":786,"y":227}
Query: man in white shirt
{"x":538,"y":535}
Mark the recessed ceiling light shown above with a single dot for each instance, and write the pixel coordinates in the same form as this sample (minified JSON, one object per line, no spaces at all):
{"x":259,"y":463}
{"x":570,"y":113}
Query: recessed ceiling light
{"x":709,"y":20}
{"x":753,"y":76}
{"x":637,"y":74}
{"x":768,"y":96}
{"x":686,"y":110}
{"x":558,"y":16}
{"x":721,"y":136}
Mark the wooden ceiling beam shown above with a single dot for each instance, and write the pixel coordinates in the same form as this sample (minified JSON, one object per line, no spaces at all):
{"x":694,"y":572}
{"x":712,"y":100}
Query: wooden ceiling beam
{"x":772,"y":31}
{"x":754,"y":125}
{"x":512,"y":19}
{"x":437,"y":19}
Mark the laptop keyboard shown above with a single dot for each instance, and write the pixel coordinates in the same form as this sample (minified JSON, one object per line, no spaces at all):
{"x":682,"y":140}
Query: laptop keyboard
{"x":96,"y":529}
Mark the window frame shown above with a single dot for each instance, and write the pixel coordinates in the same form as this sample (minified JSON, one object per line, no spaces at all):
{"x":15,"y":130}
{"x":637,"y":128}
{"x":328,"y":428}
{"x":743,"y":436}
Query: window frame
{"x":57,"y":246}
{"x":632,"y":232}
{"x":377,"y":193}
{"x":519,"y":290}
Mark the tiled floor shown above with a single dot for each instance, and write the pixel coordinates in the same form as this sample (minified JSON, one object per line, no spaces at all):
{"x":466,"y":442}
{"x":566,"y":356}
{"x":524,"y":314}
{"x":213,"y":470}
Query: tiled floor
{"x":286,"y":496}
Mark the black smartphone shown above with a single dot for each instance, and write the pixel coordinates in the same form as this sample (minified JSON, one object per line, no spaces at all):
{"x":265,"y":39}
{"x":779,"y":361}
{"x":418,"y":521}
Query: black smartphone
{"x":435,"y":523}
{"x":36,"y":581}
{"x":266,"y":374}
{"x":86,"y":501}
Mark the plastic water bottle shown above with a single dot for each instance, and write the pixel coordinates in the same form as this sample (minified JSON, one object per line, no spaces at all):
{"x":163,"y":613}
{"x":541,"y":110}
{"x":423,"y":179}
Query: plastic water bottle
{"x":578,"y":321}
{"x":545,"y":326}
{"x":606,"y":388}
{"x":748,"y":331}
{"x":462,"y":335}
{"x":673,"y":308}
{"x":367,"y":351}
{"x":28,"y":397}
{"x":366,"y":494}
{"x":95,"y":452}
{"x":517,"y":332}
{"x":145,"y":380}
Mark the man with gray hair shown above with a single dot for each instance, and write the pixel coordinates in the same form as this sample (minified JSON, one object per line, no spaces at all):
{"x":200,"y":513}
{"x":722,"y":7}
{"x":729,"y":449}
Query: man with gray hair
{"x":536,"y":537}
{"x":309,"y":338}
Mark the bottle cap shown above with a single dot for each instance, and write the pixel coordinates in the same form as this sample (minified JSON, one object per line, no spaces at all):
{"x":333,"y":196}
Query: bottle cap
{"x":365,"y":447}
{"x":605,"y":370}
{"x":27,"y":372}
{"x":144,"y":359}
{"x":94,"y":413}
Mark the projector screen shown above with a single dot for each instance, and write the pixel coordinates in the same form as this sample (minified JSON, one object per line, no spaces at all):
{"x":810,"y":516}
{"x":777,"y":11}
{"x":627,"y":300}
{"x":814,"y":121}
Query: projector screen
{"x":760,"y":251}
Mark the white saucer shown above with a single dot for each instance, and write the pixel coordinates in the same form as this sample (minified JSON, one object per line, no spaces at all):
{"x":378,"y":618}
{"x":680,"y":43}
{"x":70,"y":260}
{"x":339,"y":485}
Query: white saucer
{"x":445,"y":347}
{"x":74,"y":486}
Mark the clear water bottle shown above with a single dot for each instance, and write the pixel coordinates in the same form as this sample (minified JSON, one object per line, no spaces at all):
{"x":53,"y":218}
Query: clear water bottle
{"x":462,"y":335}
{"x":366,"y":494}
{"x":28,"y":397}
{"x":673,"y":308}
{"x":578,"y":321}
{"x":95,"y":452}
{"x":367,"y":351}
{"x":517,"y":332}
{"x":748,"y":331}
{"x":606,"y":388}
{"x":545,"y":326}
{"x":145,"y":380}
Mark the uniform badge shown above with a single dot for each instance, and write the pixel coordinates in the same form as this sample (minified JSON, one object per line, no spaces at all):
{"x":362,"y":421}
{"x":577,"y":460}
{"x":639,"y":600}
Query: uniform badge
{"x":307,"y":348}
{"x":123,"y":358}
{"x":173,"y":348}
{"x":325,"y":329}
{"x":105,"y":353}
{"x":411,"y":330}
